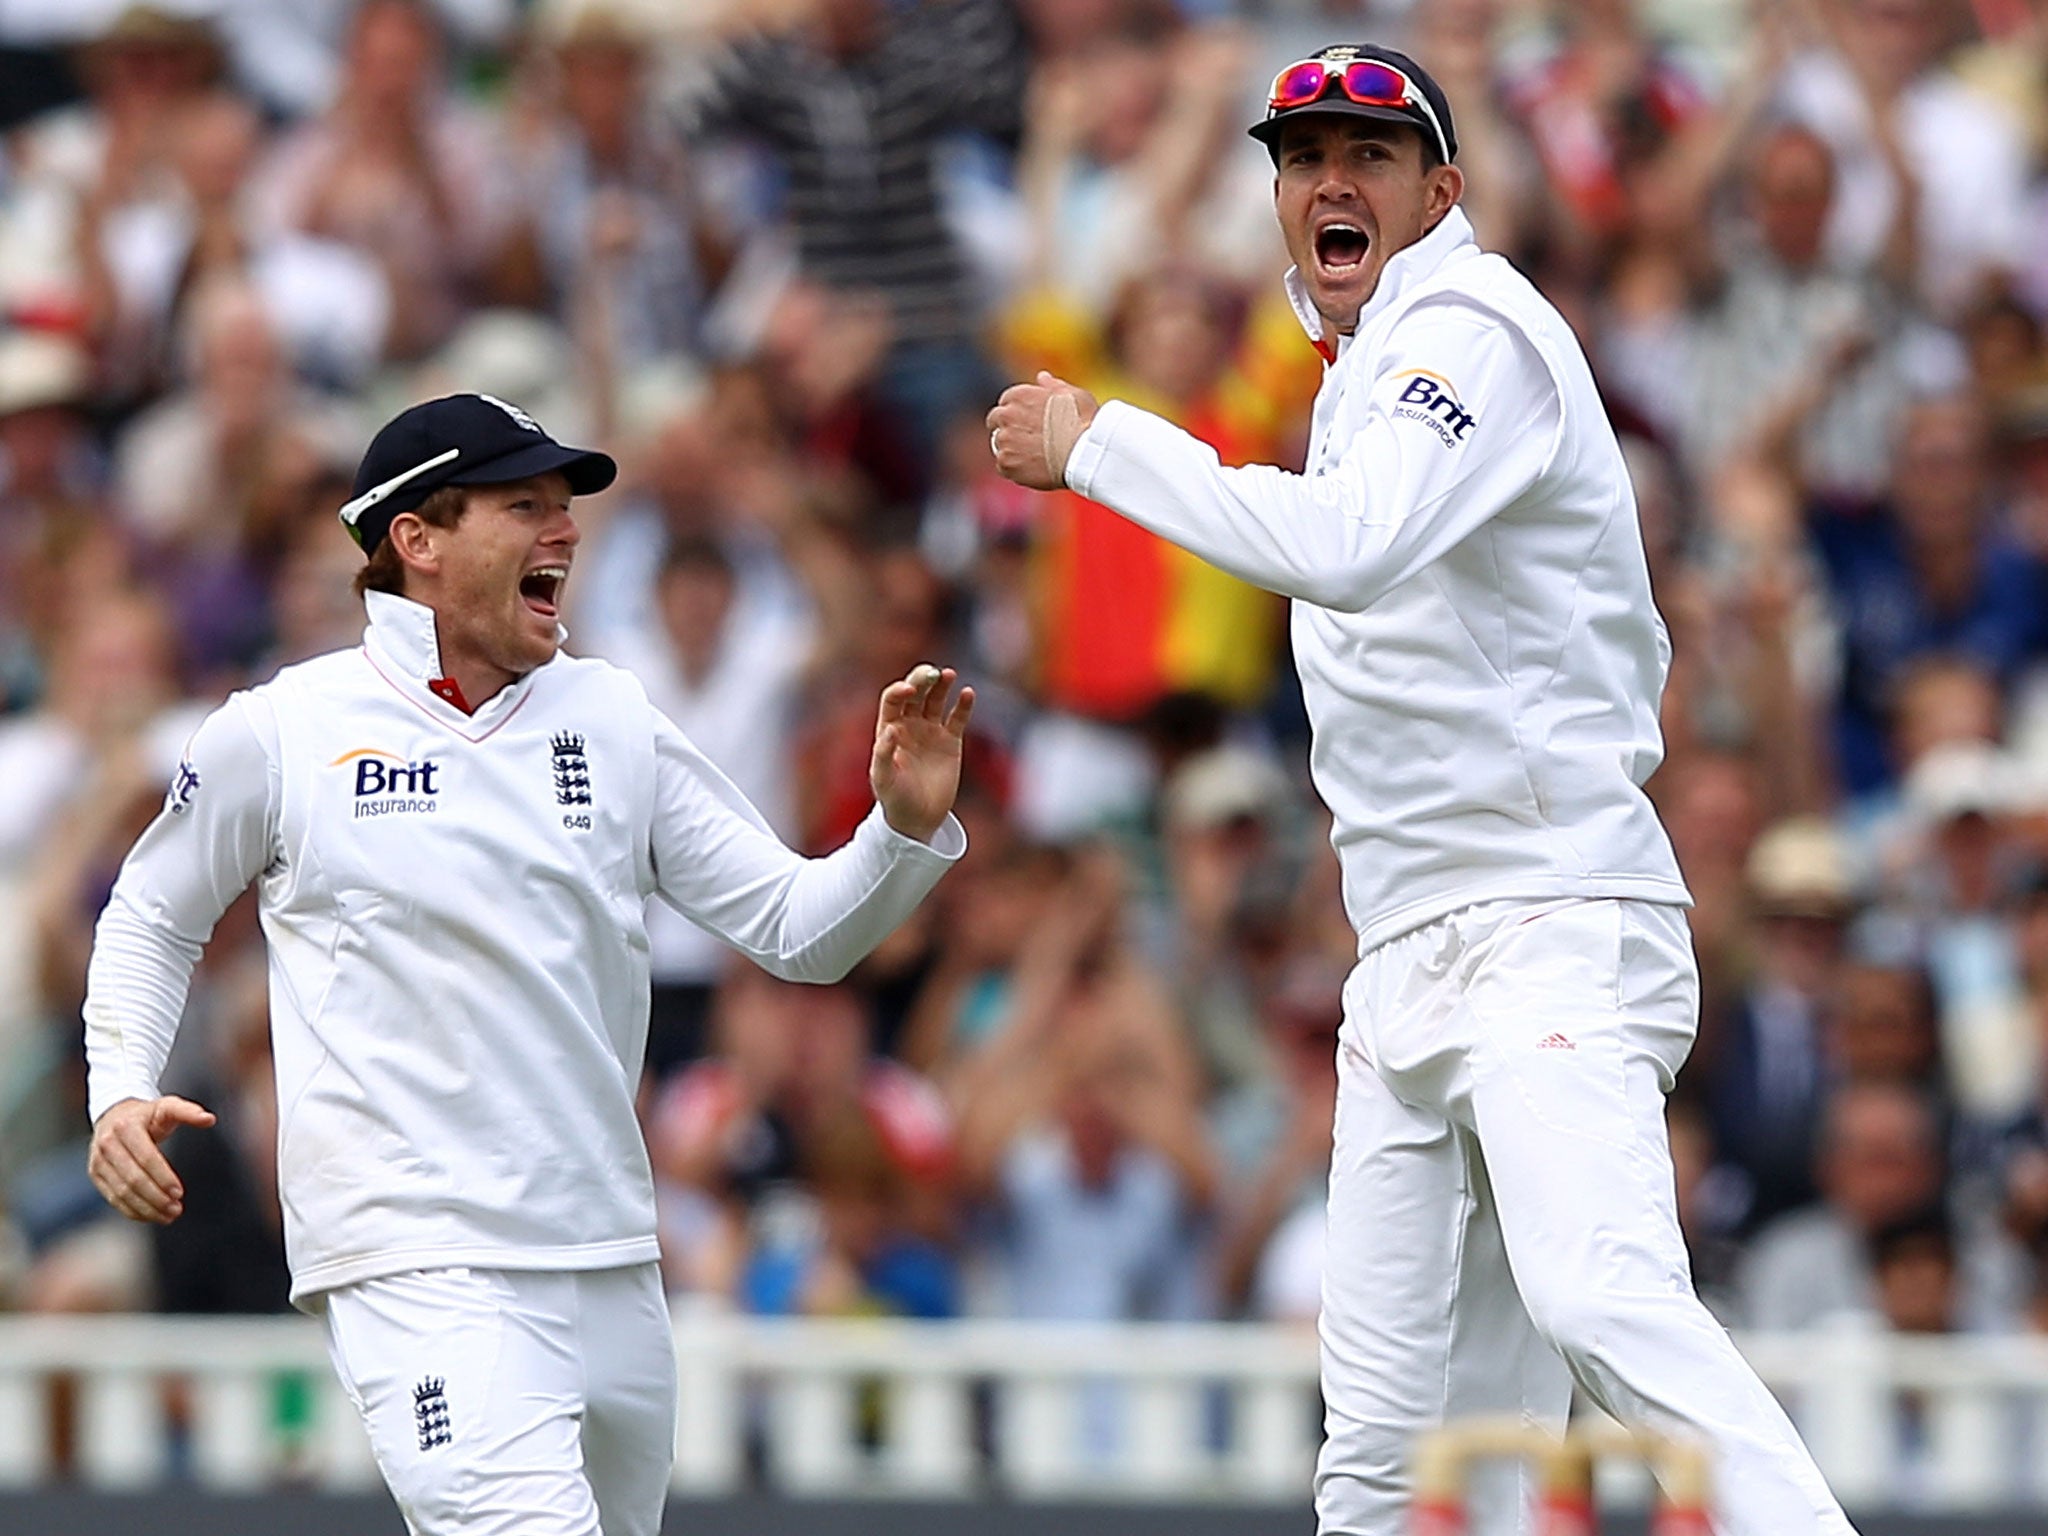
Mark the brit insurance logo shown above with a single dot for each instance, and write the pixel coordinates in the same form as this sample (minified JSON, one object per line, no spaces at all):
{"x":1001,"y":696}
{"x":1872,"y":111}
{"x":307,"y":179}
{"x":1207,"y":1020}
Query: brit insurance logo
{"x":389,"y":785}
{"x":1432,"y":399}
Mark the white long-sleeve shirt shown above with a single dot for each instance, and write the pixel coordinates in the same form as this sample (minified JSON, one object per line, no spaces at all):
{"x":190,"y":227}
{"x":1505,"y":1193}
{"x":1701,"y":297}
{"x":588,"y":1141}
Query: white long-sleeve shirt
{"x":1479,"y":653}
{"x":458,"y":958}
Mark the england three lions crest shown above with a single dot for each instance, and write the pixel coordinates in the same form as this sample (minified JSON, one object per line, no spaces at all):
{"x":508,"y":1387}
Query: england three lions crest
{"x":572,"y":778}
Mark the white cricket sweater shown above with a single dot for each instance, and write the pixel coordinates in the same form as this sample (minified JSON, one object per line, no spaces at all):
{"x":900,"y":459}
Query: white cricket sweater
{"x":1478,"y":650}
{"x":458,"y":962}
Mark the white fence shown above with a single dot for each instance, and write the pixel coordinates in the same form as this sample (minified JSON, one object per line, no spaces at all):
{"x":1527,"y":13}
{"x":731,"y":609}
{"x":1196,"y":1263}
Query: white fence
{"x":905,"y":1409}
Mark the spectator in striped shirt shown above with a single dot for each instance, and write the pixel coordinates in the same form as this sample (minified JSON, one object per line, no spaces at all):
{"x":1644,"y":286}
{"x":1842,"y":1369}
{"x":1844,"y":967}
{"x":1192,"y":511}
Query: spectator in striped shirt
{"x":856,"y":104}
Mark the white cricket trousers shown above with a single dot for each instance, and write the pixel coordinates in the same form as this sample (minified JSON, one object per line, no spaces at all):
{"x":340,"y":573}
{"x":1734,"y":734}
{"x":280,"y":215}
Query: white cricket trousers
{"x":514,"y":1402}
{"x":1502,"y":1215}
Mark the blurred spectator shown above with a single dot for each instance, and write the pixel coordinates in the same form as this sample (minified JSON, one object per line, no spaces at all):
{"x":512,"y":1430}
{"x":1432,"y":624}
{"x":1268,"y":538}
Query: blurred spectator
{"x":877,"y":1252}
{"x":1712,"y":805}
{"x":1233,"y":866}
{"x":152,"y":259}
{"x":291,"y":55}
{"x":1753,"y":649}
{"x":49,"y":495}
{"x":112,"y":702}
{"x":855,"y":101}
{"x":90,"y":832}
{"x":1795,"y":344}
{"x":77,"y":1261}
{"x":2002,"y":338}
{"x":1061,"y":29}
{"x":624,"y":241}
{"x":111,"y":151}
{"x":1954,"y":872}
{"x":2002,"y":66}
{"x":975,"y":532}
{"x":2023,"y":422}
{"x":1914,"y":1268}
{"x":801,"y":1174}
{"x":1504,"y":185}
{"x":211,"y":476}
{"x":226,"y":1253}
{"x":1880,"y":1161}
{"x":87,"y":768}
{"x":1270,"y":1251}
{"x":717,"y":1149}
{"x":1926,"y":571}
{"x":725,"y":663}
{"x":1762,"y":1059}
{"x":1913,"y":1261}
{"x":897,"y":617}
{"x":1882,"y":1026}
{"x":400,"y":171}
{"x":1125,"y":617}
{"x":1911,"y":142}
{"x":1943,"y":700}
{"x":1124,"y":621}
{"x":1707,"y":1209}
{"x":681,"y":448}
{"x":208,"y":465}
{"x":2024,"y":1140}
{"x":994,"y":903}
{"x":313,"y":610}
{"x":820,"y":365}
{"x":141,"y":67}
{"x":1131,"y":150}
{"x":1080,"y":1126}
{"x":1600,"y":109}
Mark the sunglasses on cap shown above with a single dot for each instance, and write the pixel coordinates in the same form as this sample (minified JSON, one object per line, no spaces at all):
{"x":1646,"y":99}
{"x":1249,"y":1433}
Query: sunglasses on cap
{"x":1366,"y":82}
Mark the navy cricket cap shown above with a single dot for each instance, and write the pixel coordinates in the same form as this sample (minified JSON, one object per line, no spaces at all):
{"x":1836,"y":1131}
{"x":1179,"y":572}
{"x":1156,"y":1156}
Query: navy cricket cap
{"x":458,"y":440}
{"x":1300,"y":89}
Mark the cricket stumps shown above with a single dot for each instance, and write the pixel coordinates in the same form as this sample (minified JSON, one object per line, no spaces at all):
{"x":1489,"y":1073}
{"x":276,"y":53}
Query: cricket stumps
{"x":1445,"y":1457}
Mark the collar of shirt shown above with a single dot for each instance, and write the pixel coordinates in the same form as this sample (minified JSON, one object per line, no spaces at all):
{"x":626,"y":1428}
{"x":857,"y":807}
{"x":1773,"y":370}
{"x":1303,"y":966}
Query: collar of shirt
{"x":405,"y":647}
{"x":1451,"y":238}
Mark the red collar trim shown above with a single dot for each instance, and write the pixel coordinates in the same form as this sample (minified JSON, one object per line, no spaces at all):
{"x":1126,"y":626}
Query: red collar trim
{"x":448,"y":691}
{"x":410,"y":693}
{"x":1327,"y":349}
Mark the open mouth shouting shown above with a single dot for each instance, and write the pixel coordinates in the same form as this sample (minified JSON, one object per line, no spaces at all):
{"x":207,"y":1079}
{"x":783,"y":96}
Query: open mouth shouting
{"x":1341,"y":247}
{"x":541,"y":589}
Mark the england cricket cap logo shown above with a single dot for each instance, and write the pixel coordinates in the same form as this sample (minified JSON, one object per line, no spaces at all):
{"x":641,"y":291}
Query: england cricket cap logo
{"x":524,"y":420}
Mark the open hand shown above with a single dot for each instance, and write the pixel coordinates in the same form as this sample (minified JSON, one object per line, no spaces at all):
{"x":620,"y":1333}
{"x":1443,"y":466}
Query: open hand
{"x":915,"y":771}
{"x":127,"y":1164}
{"x":1033,"y":429}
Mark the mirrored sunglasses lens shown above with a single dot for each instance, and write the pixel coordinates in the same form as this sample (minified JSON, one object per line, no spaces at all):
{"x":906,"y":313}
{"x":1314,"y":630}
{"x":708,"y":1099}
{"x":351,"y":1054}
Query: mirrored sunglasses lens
{"x":1302,"y":83}
{"x":1375,"y":83}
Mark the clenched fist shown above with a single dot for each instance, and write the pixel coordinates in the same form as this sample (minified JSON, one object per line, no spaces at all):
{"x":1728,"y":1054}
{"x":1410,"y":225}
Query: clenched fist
{"x":1034,"y":427}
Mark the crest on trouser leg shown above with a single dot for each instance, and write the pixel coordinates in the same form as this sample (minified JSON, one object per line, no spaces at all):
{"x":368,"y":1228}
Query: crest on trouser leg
{"x":430,"y":1412}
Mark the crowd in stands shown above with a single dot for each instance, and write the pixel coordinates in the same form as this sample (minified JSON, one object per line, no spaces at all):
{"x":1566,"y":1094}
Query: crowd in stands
{"x":779,"y":256}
